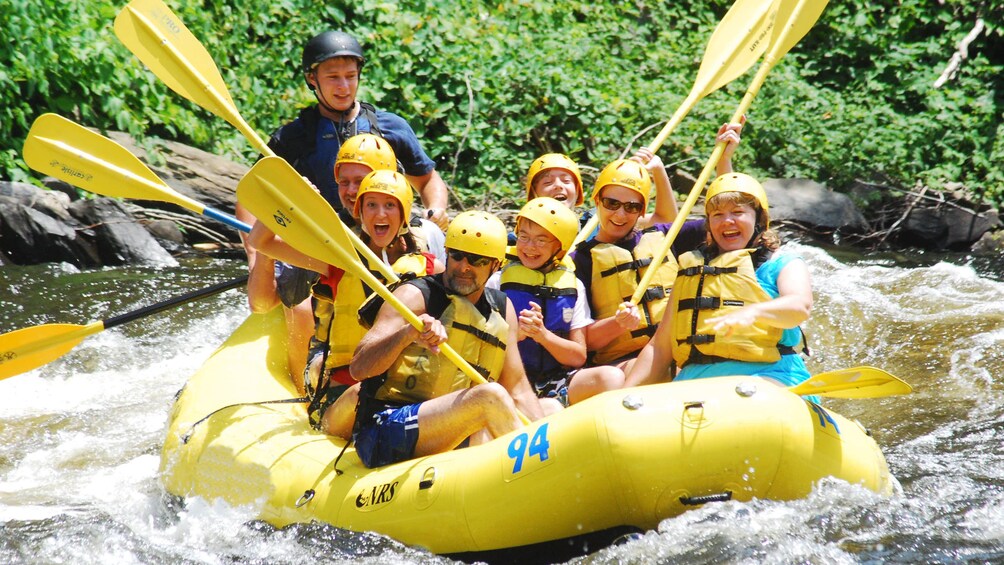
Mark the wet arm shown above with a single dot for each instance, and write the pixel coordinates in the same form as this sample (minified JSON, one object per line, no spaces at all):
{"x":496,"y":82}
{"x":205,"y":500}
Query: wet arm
{"x":602,"y":332}
{"x":262,"y":296}
{"x":653,"y":362}
{"x":729,"y":133}
{"x":665,"y":200}
{"x":569,"y":352}
{"x":789,"y":309}
{"x":794,"y":303}
{"x":388,"y":337}
{"x":433,"y":192}
{"x":265,"y":241}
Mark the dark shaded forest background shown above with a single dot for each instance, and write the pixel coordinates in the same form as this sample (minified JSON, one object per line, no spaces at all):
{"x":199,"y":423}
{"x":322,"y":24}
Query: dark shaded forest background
{"x":491,"y":85}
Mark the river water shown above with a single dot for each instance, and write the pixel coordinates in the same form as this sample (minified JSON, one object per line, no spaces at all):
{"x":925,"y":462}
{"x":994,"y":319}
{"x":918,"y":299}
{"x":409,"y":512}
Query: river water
{"x":80,"y":438}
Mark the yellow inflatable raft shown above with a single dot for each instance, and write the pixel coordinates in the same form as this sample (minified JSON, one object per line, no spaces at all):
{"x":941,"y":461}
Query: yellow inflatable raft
{"x":620,"y":461}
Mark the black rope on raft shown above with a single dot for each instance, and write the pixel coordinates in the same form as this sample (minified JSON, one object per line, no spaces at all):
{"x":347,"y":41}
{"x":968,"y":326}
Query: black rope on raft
{"x":191,"y":430}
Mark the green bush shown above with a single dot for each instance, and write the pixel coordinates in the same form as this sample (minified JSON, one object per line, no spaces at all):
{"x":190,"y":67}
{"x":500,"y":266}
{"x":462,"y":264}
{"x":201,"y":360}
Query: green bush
{"x":491,"y":85}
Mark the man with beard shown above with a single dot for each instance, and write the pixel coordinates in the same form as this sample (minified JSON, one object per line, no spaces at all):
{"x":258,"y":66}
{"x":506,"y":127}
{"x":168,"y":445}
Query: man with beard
{"x":407,"y":386}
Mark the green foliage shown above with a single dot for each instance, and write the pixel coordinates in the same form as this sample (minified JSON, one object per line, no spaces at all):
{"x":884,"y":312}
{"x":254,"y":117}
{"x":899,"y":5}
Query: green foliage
{"x":490,"y":85}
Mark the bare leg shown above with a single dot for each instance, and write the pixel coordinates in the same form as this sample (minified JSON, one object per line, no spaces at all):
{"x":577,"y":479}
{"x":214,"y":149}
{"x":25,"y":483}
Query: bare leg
{"x":444,"y":422}
{"x":594,"y":380}
{"x":550,"y":406}
{"x":299,"y":328}
{"x":480,"y":436}
{"x":341,"y":416}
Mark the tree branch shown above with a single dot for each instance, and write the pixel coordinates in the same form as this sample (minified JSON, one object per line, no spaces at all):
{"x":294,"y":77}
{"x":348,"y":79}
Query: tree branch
{"x":962,"y":51}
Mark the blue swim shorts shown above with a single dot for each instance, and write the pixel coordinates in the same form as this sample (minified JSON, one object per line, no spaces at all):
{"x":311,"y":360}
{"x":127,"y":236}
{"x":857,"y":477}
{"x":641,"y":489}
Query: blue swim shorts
{"x":388,"y":436}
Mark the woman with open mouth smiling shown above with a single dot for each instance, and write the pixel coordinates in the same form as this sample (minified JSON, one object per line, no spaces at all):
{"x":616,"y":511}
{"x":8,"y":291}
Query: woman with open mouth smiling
{"x":383,"y":206}
{"x":736,"y":306}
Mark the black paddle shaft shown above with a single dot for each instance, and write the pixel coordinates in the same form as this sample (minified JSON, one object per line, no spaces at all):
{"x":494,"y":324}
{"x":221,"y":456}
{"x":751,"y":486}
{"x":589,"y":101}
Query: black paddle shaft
{"x":194,"y":295}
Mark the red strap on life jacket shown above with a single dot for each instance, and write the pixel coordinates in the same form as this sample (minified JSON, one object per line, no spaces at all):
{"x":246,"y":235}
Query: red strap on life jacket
{"x":332,"y":279}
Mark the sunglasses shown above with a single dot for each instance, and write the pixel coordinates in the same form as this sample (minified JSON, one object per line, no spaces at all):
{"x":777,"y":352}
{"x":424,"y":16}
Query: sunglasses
{"x":614,"y":205}
{"x":473,"y":259}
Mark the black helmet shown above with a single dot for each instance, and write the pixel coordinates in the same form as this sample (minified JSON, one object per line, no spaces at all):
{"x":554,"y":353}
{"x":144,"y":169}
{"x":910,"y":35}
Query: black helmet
{"x":330,"y":44}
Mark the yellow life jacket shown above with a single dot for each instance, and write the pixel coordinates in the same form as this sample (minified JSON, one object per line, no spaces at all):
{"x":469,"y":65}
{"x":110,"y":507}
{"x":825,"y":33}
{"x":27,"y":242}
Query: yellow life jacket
{"x":349,"y":294}
{"x":706,"y":289}
{"x":418,"y":374}
{"x":615,"y":276}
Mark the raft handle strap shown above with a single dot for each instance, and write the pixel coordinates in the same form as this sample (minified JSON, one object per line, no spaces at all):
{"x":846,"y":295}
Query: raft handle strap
{"x":338,"y":472}
{"x":698,"y":500}
{"x":191,"y":430}
{"x":306,"y":497}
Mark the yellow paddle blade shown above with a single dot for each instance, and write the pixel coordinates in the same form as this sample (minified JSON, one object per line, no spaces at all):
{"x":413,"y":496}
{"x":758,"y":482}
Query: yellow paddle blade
{"x":794,"y":19}
{"x":30,"y":348}
{"x":70,"y":152}
{"x":282,"y":200}
{"x":160,"y":39}
{"x":856,"y":382}
{"x":738,"y":42}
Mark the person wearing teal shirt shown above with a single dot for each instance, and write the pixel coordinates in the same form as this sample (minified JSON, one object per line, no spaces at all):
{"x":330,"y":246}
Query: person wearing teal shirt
{"x":737,"y":305}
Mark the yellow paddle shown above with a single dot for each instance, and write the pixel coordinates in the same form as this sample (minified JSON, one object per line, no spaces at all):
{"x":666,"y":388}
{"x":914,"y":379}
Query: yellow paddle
{"x":26,"y":349}
{"x":305,"y":220}
{"x":737,"y":42}
{"x":160,"y":39}
{"x":68,"y":151}
{"x":856,"y":382}
{"x":793,"y":20}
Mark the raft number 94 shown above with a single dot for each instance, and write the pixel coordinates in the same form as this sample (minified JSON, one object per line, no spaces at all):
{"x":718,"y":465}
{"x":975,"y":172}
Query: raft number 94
{"x":522,"y":447}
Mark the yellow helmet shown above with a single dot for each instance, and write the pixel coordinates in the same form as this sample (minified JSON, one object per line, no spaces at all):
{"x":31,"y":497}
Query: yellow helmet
{"x":554,"y":161}
{"x":553,"y":216}
{"x":742,"y":183}
{"x":367,"y":149}
{"x":479,"y":233}
{"x":626,"y":173}
{"x":391,"y":183}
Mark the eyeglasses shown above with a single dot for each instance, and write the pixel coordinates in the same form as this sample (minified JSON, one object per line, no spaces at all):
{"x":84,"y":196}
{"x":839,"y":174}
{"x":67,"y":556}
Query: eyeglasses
{"x":534,"y":241}
{"x":613,"y":205}
{"x":473,"y":259}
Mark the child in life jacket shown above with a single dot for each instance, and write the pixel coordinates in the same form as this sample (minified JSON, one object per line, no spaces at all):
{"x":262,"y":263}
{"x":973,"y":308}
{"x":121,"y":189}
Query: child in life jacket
{"x":552,"y":308}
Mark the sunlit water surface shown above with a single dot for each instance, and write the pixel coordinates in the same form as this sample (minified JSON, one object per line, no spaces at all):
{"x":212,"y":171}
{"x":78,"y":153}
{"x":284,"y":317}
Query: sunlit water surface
{"x":80,"y":438}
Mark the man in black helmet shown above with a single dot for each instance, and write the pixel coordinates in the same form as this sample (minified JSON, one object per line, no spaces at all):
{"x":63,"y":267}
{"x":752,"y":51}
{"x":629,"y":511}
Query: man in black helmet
{"x":332,"y":64}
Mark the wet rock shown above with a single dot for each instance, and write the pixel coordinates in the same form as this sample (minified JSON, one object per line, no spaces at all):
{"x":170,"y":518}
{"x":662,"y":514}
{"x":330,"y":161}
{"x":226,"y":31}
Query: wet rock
{"x":37,"y":228}
{"x":813,"y":205}
{"x":946,"y":227}
{"x":167,"y":234}
{"x":118,"y":238}
{"x":52,"y":203}
{"x":991,"y":243}
{"x":206,"y":178}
